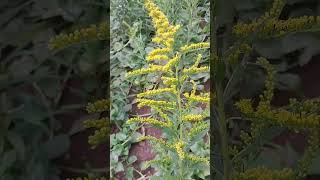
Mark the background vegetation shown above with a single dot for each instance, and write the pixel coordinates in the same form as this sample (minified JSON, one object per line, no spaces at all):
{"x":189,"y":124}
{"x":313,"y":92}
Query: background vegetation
{"x":44,"y":93}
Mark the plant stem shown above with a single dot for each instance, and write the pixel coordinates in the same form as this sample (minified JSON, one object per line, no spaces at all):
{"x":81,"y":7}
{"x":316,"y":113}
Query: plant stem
{"x":223,"y":133}
{"x":180,"y":120}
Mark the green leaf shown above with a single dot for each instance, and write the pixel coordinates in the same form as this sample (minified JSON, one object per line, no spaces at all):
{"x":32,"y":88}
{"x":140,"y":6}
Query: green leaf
{"x":132,"y":159}
{"x":56,"y":146}
{"x":119,"y":167}
{"x":135,"y":136}
{"x":288,"y":81}
{"x":7,"y":160}
{"x":121,"y":136}
{"x":315,"y":166}
{"x":17,"y":142}
{"x":129,"y":173}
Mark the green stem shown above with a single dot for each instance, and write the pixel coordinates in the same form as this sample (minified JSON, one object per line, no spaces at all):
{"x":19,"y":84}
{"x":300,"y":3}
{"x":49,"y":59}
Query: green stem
{"x":223,"y":133}
{"x":180,"y":120}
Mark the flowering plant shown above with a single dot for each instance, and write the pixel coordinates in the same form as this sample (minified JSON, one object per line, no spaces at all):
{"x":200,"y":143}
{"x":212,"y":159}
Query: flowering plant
{"x":175,"y":100}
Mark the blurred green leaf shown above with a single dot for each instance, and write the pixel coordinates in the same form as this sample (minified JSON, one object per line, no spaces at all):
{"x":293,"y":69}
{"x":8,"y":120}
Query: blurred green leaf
{"x":56,"y":146}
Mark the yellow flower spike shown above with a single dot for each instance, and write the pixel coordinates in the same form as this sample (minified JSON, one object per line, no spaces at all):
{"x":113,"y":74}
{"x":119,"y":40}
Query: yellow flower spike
{"x":159,"y":51}
{"x":100,"y":123}
{"x":149,"y":120}
{"x":157,"y":57}
{"x":193,"y":117}
{"x":197,"y":159}
{"x":91,"y":33}
{"x":99,"y":136}
{"x":193,"y":70}
{"x":173,"y":61}
{"x":269,"y":84}
{"x":164,"y":31}
{"x":163,"y":104}
{"x":197,"y":62}
{"x":156,"y":40}
{"x":245,"y":106}
{"x":179,"y":148}
{"x":163,"y":115}
{"x":200,"y":99}
{"x":204,"y":98}
{"x":169,"y":81}
{"x":195,"y":46}
{"x":157,"y":92}
{"x":157,"y":140}
{"x":98,"y":106}
{"x":151,"y":69}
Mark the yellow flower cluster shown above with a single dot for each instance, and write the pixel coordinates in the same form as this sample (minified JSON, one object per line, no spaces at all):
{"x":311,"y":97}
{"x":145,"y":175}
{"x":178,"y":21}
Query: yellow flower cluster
{"x":197,"y":159}
{"x":157,"y":57}
{"x":309,"y":155}
{"x":151,"y":121}
{"x":269,"y":84}
{"x":279,"y":116}
{"x":242,"y":49}
{"x":158,"y":54}
{"x":164,"y":31}
{"x":154,"y":103}
{"x":194,"y":70}
{"x":100,"y":123}
{"x":157,"y":140}
{"x":157,"y":91}
{"x":245,"y":106}
{"x":195,"y":46}
{"x":83,"y":35}
{"x":98,"y":106}
{"x":263,"y":173}
{"x":273,"y":27}
{"x":179,"y":148}
{"x":197,"y":62}
{"x":193,"y":117}
{"x":156,"y":68}
{"x":169,"y":81}
{"x":269,"y":25}
{"x":275,"y":10}
{"x":98,"y":137}
{"x":150,"y":69}
{"x":197,"y":98}
{"x":172,"y":62}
